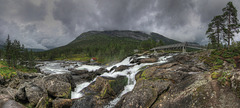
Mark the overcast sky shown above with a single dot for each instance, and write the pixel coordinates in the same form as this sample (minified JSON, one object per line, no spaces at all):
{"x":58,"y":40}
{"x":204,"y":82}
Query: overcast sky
{"x":52,"y":23}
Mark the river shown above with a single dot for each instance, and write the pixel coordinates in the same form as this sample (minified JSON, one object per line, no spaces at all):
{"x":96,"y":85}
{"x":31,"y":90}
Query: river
{"x":59,"y":67}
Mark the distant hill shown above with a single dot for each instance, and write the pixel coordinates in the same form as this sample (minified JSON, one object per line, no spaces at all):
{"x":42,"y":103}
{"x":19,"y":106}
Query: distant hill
{"x":137,"y":35}
{"x":114,"y":44}
{"x":36,"y":50}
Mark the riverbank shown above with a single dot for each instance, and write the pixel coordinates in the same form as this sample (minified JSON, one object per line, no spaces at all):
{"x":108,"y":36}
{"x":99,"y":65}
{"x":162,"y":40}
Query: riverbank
{"x":161,"y":80}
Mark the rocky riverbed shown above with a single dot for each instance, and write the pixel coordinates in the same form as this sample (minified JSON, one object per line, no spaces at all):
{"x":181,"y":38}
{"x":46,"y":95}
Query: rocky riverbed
{"x":158,"y":81}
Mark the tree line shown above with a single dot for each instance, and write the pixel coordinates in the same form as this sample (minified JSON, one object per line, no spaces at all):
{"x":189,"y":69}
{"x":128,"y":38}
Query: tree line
{"x":15,"y":54}
{"x":222,"y":28}
{"x":105,"y":49}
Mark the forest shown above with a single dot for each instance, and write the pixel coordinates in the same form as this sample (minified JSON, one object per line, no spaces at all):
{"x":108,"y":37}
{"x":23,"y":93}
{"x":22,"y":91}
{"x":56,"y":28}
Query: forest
{"x":104,"y":48}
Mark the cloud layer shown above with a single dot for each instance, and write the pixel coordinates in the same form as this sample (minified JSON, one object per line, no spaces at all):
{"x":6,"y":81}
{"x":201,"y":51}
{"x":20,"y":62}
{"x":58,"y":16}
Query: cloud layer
{"x":52,"y":23}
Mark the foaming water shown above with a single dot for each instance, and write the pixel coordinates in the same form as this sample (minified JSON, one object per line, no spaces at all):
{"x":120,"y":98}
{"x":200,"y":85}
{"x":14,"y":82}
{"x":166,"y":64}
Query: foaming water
{"x":88,"y":68}
{"x":54,"y":68}
{"x":130,"y":73}
{"x":58,"y":68}
{"x":76,"y":93}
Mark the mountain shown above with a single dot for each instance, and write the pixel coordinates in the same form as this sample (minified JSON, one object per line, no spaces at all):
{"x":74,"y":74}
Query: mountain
{"x":137,"y":35}
{"x":33,"y":49}
{"x":106,"y":45}
{"x":36,"y":50}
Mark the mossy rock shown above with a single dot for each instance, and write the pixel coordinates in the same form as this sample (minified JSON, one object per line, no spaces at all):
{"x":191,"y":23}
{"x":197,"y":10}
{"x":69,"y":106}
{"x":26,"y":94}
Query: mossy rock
{"x":217,"y":67}
{"x":118,"y":83}
{"x":215,"y":75}
{"x":138,"y":75}
{"x":148,"y":73}
{"x":113,"y":87}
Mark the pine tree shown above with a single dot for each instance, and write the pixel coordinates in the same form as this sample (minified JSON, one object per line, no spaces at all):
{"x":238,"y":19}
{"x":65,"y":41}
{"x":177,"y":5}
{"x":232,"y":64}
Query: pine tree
{"x":215,"y":29}
{"x":231,"y":21}
{"x":7,"y":47}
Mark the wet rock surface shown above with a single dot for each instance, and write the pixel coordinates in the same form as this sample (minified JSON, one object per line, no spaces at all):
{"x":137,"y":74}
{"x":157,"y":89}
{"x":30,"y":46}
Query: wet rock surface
{"x":86,"y":76}
{"x":182,"y":83}
{"x":121,"y":68}
{"x":11,"y":104}
{"x":62,"y":103}
{"x":99,"y":93}
{"x":36,"y":90}
{"x":145,"y":59}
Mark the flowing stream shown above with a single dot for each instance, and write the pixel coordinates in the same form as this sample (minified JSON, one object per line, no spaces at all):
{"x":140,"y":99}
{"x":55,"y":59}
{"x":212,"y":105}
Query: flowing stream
{"x":59,"y":67}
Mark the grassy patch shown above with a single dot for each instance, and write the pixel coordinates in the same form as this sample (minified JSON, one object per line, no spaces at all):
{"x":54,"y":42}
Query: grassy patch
{"x":218,"y":56}
{"x":75,"y":57}
{"x":8,"y":72}
{"x":225,"y":77}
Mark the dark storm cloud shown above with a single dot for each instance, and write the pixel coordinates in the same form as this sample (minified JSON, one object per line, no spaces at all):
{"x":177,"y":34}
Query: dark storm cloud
{"x":174,"y":13}
{"x":144,"y":15}
{"x":23,"y":9}
{"x":31,"y":12}
{"x":122,"y":14}
{"x":52,"y":23}
{"x":76,"y":15}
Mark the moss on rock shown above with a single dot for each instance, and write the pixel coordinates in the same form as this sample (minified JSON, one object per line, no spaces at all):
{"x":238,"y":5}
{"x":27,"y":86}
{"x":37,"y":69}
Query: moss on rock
{"x":215,"y":75}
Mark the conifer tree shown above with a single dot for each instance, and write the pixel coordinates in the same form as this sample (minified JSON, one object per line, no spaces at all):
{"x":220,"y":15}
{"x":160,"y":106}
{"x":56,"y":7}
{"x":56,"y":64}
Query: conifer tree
{"x":15,"y":54}
{"x":7,"y":48}
{"x":215,"y":29}
{"x":231,"y":21}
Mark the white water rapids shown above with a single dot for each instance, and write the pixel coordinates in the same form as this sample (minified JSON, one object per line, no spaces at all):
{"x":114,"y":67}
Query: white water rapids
{"x":63,"y":67}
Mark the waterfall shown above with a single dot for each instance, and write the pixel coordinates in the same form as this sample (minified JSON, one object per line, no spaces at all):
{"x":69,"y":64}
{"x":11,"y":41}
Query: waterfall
{"x":57,"y":68}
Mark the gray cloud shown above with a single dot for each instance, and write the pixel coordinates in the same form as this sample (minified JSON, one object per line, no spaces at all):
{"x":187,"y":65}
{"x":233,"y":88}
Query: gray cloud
{"x":52,"y":23}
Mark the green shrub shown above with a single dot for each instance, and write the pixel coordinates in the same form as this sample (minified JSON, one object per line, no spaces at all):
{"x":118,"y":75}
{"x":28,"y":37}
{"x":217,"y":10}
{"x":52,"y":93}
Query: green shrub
{"x":225,"y":76}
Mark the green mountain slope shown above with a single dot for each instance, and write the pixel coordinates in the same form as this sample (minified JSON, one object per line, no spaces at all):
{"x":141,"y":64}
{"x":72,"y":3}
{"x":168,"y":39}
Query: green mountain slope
{"x":105,"y":45}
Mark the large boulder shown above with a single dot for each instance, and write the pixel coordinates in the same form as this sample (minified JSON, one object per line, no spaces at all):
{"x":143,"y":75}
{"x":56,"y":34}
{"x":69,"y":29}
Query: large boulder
{"x":66,"y":77}
{"x":58,"y":86}
{"x":6,"y":101}
{"x":101,"y":92}
{"x":78,"y":72}
{"x":11,"y":104}
{"x":21,"y":93}
{"x":22,"y":78}
{"x":39,"y":90}
{"x":122,"y":67}
{"x":148,"y":60}
{"x":80,"y":76}
{"x":166,"y":71}
{"x":137,"y":60}
{"x":109,"y":87}
{"x":100,"y":71}
{"x":58,"y":89}
{"x":22,"y":75}
{"x":34,"y":93}
{"x":144,"y":94}
{"x":62,"y":103}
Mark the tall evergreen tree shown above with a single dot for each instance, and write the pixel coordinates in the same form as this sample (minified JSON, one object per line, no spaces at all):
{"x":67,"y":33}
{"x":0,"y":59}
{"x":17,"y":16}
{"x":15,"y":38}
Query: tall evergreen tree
{"x":7,"y":48}
{"x":231,"y":21}
{"x":215,"y":29}
{"x":15,"y":54}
